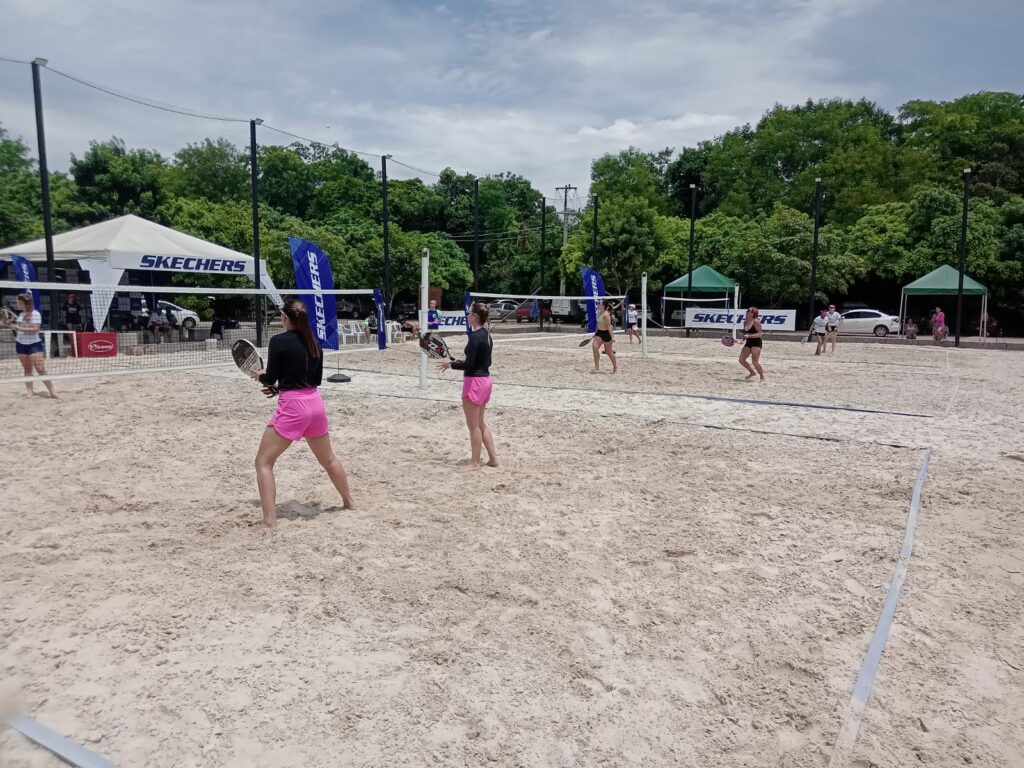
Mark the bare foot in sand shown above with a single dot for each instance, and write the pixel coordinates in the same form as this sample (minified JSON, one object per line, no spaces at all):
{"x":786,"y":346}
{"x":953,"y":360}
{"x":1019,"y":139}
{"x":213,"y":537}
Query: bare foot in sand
{"x":492,"y":463}
{"x":348,"y":503}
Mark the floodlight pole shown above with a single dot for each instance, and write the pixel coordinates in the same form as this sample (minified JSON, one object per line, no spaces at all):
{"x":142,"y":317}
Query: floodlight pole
{"x":814,"y":253}
{"x":387,"y":239}
{"x":476,"y":235}
{"x":543,"y":239}
{"x":963,"y":257}
{"x":254,"y":171}
{"x":424,"y":296}
{"x":44,"y":183}
{"x":689,"y":258}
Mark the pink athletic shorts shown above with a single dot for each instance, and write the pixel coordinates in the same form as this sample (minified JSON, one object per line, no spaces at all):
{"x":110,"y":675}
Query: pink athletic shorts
{"x":300,"y":413}
{"x":476,"y":389}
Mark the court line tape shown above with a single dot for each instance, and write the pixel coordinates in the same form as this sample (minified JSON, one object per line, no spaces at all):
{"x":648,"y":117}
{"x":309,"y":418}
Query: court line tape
{"x":686,"y":395}
{"x":63,"y":747}
{"x":853,"y":717}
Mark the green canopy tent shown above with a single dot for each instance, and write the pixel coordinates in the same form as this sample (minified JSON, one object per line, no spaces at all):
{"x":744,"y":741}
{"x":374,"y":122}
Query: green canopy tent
{"x":705,"y":279}
{"x":944,"y":281}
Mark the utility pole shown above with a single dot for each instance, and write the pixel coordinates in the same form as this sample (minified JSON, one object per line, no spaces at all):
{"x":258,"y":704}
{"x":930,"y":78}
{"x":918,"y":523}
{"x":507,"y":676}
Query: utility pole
{"x":565,"y":228}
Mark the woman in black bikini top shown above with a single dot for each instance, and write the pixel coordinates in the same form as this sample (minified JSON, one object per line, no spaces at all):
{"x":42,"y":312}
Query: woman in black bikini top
{"x":752,"y":333}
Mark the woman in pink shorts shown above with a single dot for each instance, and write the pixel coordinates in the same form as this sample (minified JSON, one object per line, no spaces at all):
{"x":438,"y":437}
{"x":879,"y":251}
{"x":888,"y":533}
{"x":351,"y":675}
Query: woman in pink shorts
{"x":476,"y":385}
{"x":295,"y":368}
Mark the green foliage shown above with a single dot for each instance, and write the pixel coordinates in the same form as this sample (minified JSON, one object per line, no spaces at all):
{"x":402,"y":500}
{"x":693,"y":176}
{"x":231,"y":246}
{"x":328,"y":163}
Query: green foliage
{"x":112,"y":180}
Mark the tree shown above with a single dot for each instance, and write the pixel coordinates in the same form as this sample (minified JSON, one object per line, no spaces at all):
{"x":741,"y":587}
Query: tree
{"x":112,"y":180}
{"x":19,"y":192}
{"x":215,"y":170}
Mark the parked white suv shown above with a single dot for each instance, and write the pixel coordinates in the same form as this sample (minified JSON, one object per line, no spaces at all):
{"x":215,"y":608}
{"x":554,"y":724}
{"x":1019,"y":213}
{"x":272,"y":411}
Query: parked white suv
{"x":184,"y":318}
{"x":869,"y":321}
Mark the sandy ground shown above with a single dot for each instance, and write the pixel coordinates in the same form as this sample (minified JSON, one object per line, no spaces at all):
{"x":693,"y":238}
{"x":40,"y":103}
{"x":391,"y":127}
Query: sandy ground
{"x":649,"y":579}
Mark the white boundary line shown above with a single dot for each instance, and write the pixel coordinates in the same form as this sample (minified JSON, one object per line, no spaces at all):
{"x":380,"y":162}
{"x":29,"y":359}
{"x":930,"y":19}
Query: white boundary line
{"x":952,"y":399}
{"x":854,"y":712}
{"x":166,"y":369}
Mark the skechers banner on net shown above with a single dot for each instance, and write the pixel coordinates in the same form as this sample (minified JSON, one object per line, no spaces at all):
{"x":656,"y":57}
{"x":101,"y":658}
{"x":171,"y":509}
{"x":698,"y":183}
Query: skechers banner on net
{"x":775,"y":319}
{"x":451,"y":322}
{"x":192,"y":264}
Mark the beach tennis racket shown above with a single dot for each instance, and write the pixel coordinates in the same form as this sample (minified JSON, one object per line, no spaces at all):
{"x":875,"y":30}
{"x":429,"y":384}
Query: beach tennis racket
{"x":435,"y":347}
{"x":248,"y":359}
{"x":728,"y":340}
{"x":586,"y":341}
{"x":7,"y":317}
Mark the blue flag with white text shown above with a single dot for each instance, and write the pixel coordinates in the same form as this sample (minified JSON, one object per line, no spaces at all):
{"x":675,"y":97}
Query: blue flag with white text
{"x":467,"y":305}
{"x":313,"y":272}
{"x":593,"y":286}
{"x":26,"y":272}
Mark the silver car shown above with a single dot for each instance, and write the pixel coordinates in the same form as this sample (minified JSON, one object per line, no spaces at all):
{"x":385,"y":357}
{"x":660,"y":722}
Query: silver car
{"x":502,"y":309}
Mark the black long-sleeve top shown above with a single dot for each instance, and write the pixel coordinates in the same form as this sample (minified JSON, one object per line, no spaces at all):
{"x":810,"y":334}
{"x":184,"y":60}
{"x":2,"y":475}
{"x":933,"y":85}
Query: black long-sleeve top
{"x":478,"y":355}
{"x":289,"y":365}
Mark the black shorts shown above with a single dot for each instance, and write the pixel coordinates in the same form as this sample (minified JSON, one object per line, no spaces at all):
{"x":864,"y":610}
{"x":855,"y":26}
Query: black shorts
{"x":818,"y":334}
{"x":833,"y":328}
{"x":752,"y":343}
{"x":604,"y":335}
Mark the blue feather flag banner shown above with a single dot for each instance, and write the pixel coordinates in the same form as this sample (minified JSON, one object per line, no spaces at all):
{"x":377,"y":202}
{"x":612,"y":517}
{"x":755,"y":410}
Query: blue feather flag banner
{"x":382,"y":331}
{"x":313,"y":273}
{"x":26,"y":272}
{"x":593,"y":286}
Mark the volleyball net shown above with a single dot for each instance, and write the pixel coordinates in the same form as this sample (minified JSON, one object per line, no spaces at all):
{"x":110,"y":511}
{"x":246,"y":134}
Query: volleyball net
{"x":99,"y":330}
{"x":535,"y":308}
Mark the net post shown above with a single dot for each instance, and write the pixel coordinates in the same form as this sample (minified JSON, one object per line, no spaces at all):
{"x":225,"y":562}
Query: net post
{"x":736,"y":308}
{"x":643,"y":315}
{"x":424,"y":293}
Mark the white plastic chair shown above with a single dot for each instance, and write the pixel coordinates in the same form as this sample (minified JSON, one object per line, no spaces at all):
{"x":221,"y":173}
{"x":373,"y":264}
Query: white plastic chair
{"x":345,"y":329}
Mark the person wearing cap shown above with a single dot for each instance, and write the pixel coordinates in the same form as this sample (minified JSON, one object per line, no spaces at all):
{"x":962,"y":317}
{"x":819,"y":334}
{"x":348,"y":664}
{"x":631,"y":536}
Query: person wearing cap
{"x":820,"y":329}
{"x":832,"y":329}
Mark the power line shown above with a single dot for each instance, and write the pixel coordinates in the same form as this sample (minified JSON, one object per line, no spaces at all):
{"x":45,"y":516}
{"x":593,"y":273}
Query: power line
{"x":14,"y":61}
{"x":145,"y":102}
{"x":414,"y":168}
{"x":374,"y":155}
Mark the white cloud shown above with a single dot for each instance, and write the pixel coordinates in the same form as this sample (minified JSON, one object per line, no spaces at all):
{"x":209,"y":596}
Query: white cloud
{"x":533,"y":87}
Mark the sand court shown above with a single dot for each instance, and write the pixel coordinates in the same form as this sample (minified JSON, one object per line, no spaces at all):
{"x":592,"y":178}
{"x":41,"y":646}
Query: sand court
{"x":658,"y":573}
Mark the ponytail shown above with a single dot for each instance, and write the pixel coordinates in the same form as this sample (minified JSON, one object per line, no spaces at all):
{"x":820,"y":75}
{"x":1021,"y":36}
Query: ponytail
{"x":299,"y":316}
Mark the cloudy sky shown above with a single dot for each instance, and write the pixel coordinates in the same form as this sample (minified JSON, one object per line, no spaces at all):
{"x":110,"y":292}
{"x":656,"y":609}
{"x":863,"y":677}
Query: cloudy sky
{"x":538,"y":88}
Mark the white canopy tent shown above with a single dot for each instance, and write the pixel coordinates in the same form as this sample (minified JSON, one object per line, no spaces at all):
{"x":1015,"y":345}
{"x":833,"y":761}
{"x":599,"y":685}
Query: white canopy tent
{"x":107,"y":249}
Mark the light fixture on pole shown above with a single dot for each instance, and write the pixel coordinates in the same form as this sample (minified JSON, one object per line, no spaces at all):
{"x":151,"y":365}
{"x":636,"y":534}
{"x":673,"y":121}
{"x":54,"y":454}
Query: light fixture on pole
{"x":963,"y":257}
{"x":384,"y":220}
{"x":255,"y":183}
